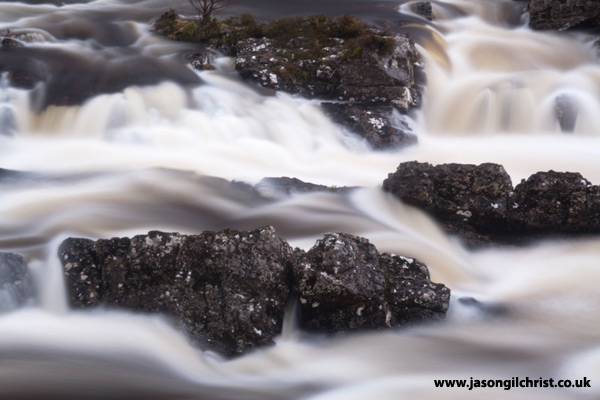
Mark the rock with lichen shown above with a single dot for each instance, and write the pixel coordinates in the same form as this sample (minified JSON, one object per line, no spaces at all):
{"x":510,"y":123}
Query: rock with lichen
{"x":335,"y":59}
{"x":373,"y":123}
{"x":563,"y":14}
{"x":479,"y":204}
{"x":356,"y":74}
{"x":344,"y":283}
{"x":226,"y":289}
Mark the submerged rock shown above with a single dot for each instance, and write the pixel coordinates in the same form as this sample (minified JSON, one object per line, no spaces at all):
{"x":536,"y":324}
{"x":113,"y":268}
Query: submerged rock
{"x":10,"y":42}
{"x":479,"y":203}
{"x":563,"y":14}
{"x":566,"y":112}
{"x":344,"y":283}
{"x":16,"y":287}
{"x":226,"y":289}
{"x":287,"y":186}
{"x":423,"y":8}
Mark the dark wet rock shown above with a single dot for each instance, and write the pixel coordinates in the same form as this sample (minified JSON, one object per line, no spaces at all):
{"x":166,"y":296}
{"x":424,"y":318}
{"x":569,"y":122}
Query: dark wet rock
{"x":344,"y":283}
{"x":423,"y":8}
{"x":551,"y":202}
{"x":287,"y":186}
{"x":372,"y":83}
{"x":11,"y":42}
{"x":226,"y":289}
{"x":563,"y":14}
{"x":566,"y":112}
{"x":373,"y":123}
{"x":200,"y":61}
{"x":334,"y":59}
{"x":362,"y":76}
{"x":16,"y":286}
{"x":479,"y":203}
{"x":465,"y":198}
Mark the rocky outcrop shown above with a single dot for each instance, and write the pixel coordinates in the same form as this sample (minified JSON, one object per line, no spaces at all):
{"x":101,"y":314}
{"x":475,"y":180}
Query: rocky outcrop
{"x":363,"y":77}
{"x":334,"y":59}
{"x":337,"y":73}
{"x":228,"y":289}
{"x":16,"y":287}
{"x":479,"y":203}
{"x":563,"y":14}
{"x":344,"y":283}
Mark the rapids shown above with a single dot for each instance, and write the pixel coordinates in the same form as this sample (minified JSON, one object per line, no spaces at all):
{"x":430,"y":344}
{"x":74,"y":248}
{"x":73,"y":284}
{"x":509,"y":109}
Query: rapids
{"x":154,"y":153}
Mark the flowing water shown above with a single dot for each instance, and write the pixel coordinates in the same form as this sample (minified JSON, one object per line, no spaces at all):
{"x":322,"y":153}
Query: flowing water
{"x":155,"y":151}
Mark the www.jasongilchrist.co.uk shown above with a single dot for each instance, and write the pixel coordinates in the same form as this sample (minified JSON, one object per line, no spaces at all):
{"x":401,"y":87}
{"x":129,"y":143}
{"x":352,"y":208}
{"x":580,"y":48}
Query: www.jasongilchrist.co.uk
{"x":515,"y":382}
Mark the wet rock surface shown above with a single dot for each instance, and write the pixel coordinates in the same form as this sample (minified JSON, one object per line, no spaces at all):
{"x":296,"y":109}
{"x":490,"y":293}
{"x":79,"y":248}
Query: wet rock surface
{"x":228,"y":289}
{"x":344,"y":283}
{"x":563,"y":14}
{"x":368,"y":82}
{"x":566,"y":112}
{"x":334,"y":59}
{"x":373,"y":123}
{"x":288,"y":186}
{"x":479,"y":203}
{"x":363,"y":76}
{"x":16,"y":286}
{"x":423,"y":8}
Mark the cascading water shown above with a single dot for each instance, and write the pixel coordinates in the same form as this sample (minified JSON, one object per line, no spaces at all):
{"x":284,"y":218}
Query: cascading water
{"x":151,"y":154}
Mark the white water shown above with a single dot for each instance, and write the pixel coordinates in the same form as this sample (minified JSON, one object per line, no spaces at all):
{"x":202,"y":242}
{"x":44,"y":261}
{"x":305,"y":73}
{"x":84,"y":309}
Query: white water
{"x":128,"y":162}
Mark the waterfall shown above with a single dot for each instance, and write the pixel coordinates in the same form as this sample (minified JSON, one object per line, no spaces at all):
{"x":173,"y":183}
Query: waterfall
{"x":156,"y":155}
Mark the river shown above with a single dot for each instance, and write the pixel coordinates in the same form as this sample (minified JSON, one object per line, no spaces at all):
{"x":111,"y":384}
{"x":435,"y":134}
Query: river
{"x":150,"y":155}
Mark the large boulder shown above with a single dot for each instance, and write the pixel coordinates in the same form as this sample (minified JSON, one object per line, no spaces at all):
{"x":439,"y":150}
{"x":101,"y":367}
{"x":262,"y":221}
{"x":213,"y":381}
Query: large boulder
{"x":16,"y":287}
{"x":226,"y":289}
{"x":563,"y":14}
{"x":479,"y":203}
{"x":555,"y":202}
{"x":468,"y":199}
{"x":345,"y":284}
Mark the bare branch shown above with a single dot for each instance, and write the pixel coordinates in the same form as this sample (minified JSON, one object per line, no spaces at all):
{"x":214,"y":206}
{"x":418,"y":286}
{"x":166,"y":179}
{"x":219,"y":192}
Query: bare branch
{"x":207,"y":7}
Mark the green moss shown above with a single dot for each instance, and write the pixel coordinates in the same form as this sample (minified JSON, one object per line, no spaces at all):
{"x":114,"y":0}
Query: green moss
{"x":187,"y":32}
{"x":357,"y":52}
{"x":210,"y":29}
{"x":293,"y":72}
{"x":311,"y":34}
{"x":252,"y":28}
